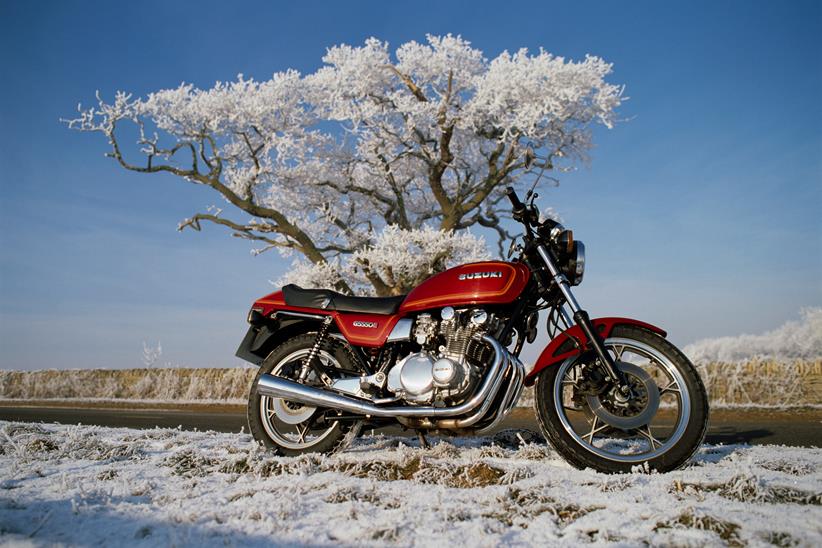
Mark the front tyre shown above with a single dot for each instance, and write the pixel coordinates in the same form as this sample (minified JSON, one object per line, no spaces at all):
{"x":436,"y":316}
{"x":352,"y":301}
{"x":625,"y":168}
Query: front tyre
{"x":593,"y":426}
{"x":290,"y":428}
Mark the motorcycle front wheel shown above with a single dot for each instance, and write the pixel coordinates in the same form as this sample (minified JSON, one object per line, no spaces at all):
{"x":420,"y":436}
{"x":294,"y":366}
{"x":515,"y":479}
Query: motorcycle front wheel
{"x":659,"y":428}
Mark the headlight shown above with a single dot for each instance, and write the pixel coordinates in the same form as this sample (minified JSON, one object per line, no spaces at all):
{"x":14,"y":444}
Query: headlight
{"x":574,"y":263}
{"x":580,"y":260}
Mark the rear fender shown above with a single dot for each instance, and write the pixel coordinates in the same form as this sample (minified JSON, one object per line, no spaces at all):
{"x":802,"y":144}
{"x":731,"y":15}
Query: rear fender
{"x":261,"y":339}
{"x":572,"y":342}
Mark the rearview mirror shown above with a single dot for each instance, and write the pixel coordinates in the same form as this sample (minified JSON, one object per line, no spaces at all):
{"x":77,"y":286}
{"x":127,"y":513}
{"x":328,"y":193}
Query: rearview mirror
{"x":529,"y":157}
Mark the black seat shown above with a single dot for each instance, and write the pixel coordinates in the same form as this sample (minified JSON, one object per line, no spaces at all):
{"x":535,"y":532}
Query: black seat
{"x":331,"y":300}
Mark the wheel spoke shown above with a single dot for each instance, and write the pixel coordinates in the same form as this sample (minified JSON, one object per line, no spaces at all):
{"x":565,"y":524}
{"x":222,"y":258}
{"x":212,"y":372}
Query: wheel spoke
{"x":650,"y":437}
{"x":301,"y":433}
{"x":672,"y":387}
{"x":594,"y":430}
{"x":618,"y":350}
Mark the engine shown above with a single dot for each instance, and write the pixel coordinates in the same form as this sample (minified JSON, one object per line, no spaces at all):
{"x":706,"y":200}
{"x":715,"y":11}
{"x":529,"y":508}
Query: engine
{"x":450,"y":362}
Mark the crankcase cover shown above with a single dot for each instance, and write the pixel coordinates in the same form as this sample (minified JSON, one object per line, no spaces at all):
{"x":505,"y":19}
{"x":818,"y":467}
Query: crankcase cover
{"x":416,"y":375}
{"x":447,"y":372}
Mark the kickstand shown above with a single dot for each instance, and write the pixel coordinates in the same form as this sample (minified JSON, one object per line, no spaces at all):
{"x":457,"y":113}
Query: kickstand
{"x":423,"y":442}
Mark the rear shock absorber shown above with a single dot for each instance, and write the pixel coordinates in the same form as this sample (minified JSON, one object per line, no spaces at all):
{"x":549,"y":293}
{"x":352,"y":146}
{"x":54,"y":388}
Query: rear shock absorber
{"x":311,"y":360}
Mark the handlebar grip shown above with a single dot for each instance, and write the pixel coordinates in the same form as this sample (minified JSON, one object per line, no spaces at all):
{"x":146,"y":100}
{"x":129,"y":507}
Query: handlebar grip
{"x":515,"y":201}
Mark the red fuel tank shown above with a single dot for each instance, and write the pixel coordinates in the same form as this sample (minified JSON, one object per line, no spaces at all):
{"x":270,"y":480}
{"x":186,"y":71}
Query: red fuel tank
{"x":492,"y":282}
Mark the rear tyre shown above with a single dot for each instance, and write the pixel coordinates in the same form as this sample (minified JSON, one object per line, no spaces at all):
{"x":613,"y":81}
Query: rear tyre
{"x":659,"y":430}
{"x":289,"y":428}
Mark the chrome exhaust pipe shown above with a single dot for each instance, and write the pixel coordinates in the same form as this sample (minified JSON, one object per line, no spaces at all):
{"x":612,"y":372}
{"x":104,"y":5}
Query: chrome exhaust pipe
{"x":484,"y":409}
{"x":277,"y":387}
{"x":512,"y":394}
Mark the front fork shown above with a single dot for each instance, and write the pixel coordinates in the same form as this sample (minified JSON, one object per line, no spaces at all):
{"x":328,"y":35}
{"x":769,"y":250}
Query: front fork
{"x":582,"y":319}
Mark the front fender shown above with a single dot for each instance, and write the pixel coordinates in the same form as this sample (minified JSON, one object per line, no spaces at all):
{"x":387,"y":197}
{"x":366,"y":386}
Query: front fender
{"x":563,"y":347}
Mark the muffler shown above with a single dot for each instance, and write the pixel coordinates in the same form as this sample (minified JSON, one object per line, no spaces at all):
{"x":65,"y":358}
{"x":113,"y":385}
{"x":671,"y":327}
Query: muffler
{"x":277,"y":387}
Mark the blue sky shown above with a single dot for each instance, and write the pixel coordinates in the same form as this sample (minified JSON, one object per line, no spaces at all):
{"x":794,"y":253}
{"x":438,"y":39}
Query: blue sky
{"x":700,"y":212}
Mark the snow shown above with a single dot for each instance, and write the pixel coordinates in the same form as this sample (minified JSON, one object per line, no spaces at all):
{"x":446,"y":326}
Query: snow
{"x":791,"y":342}
{"x":201,"y":385}
{"x":777,"y":368}
{"x":402,"y":258}
{"x":80,"y":485}
{"x":424,"y":138}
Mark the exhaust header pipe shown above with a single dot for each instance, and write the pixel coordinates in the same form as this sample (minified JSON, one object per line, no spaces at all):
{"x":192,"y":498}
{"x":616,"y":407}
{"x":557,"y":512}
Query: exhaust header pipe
{"x":277,"y":387}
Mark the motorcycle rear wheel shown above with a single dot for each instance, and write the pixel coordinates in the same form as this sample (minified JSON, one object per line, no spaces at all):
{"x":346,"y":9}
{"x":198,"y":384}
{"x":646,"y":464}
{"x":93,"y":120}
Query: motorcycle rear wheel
{"x":291,"y":429}
{"x":611,"y":436}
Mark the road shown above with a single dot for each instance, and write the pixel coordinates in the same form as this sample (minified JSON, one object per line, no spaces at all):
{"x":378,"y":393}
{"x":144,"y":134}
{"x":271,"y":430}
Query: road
{"x":728,"y":426}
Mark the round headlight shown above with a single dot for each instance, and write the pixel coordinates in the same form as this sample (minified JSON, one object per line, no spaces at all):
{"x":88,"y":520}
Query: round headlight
{"x":574,"y":263}
{"x":579,"y":262}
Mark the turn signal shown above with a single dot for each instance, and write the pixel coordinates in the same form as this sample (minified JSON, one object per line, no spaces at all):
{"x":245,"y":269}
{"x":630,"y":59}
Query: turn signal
{"x":565,"y":241}
{"x":255,"y":316}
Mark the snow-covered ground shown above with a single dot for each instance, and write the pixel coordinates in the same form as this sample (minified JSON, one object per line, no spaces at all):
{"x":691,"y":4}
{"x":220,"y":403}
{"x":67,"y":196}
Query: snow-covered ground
{"x":81,"y":485}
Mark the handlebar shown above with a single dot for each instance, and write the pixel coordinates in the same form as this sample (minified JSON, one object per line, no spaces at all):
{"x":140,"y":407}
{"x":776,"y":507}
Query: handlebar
{"x":519,"y":207}
{"x":524,"y":213}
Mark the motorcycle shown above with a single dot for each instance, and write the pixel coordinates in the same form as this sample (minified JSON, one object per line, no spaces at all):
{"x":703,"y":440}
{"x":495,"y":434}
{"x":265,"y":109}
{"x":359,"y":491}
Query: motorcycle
{"x":610,"y":393}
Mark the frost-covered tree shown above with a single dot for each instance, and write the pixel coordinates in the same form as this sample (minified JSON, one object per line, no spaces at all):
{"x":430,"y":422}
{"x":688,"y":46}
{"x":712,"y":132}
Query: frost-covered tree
{"x":151,"y":354}
{"x":322,"y":163}
{"x":794,"y":341}
{"x":398,"y":258}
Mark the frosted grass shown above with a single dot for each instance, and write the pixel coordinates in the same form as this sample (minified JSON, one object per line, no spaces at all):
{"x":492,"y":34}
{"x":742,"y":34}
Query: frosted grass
{"x":80,"y":485}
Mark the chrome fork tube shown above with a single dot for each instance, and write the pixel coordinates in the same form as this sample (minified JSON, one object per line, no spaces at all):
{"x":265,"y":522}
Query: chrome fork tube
{"x":566,"y":319}
{"x":584,"y":322}
{"x":559,"y":279}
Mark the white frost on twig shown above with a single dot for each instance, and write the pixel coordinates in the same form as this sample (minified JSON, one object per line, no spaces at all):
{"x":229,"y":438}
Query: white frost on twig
{"x":403,"y":258}
{"x":428,"y":135}
{"x":793,"y":341}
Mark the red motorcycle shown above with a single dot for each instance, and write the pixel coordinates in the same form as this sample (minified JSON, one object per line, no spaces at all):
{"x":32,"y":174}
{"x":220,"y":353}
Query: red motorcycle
{"x":610,"y":393}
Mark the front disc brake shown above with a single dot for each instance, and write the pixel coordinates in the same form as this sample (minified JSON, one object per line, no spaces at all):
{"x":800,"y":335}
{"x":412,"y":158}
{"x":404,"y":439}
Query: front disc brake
{"x":625,"y":413}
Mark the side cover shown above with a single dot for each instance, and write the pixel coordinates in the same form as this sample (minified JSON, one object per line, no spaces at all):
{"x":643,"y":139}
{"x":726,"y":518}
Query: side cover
{"x":360,"y":329}
{"x":572,"y":342}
